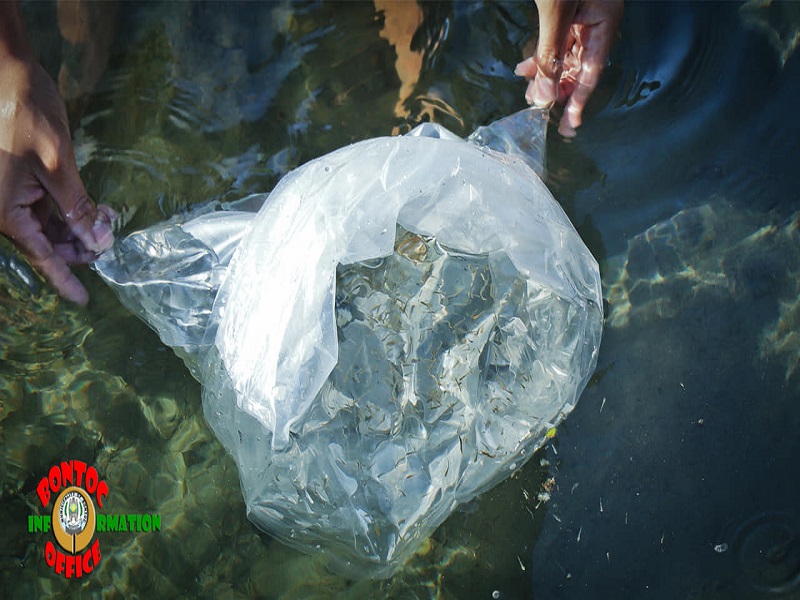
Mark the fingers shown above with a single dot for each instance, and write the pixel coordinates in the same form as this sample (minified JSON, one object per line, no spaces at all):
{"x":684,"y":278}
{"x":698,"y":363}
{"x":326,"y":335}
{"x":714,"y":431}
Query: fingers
{"x":57,"y":171}
{"x":90,"y":225}
{"x":37,"y":164}
{"x":51,"y":247}
{"x":575,"y":38}
{"x":66,"y":244}
{"x":59,"y":176}
{"x":41,"y":253}
{"x":595,"y":33}
{"x":555,"y":21}
{"x":545,"y":67}
{"x":573,"y":110}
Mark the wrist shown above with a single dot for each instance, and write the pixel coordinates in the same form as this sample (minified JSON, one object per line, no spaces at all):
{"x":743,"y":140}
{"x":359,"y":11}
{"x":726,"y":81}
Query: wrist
{"x":14,"y":41}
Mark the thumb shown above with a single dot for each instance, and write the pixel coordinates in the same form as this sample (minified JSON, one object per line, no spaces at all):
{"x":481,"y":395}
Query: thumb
{"x":26,"y":231}
{"x":62,"y":181}
{"x":555,"y":20}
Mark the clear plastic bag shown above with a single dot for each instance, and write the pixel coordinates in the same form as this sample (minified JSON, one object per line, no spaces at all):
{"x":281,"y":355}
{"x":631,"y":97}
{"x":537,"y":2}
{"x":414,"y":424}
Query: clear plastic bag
{"x":392,"y":333}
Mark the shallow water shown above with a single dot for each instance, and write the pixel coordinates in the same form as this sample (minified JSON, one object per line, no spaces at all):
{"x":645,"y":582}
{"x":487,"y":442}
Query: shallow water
{"x":673,"y":477}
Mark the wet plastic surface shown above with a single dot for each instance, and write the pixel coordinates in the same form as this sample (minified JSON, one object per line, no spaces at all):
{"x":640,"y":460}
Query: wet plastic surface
{"x":393,"y":333}
{"x":674,"y":475}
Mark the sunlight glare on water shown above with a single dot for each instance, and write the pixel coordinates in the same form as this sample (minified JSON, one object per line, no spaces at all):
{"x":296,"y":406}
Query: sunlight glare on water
{"x":682,"y":181}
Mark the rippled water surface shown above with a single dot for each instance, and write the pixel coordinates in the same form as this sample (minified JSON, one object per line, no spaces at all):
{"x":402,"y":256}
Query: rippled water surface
{"x":675,"y":474}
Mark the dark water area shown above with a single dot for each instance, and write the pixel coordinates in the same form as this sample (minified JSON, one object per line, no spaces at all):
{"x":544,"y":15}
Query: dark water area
{"x":697,"y":102}
{"x":675,"y":475}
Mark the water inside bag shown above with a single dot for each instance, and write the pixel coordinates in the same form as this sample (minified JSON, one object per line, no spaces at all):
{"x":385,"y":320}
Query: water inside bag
{"x":377,"y":349}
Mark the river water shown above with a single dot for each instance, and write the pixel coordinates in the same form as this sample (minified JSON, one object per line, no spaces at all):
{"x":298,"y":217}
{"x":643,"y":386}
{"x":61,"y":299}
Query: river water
{"x":673,"y":477}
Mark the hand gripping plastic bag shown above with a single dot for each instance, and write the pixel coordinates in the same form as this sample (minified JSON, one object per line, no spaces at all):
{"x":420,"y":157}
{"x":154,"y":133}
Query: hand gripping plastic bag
{"x":391,"y":334}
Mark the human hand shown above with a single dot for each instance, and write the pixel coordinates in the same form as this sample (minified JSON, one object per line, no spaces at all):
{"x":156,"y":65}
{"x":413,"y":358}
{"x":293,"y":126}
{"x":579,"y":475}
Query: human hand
{"x":44,"y":207}
{"x":575,"y":37}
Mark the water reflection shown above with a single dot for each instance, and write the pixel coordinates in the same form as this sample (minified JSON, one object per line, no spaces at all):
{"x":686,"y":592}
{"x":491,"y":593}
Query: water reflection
{"x":683,"y":178}
{"x":711,"y":249}
{"x":778,"y":21}
{"x":695,"y":104}
{"x":205,"y":101}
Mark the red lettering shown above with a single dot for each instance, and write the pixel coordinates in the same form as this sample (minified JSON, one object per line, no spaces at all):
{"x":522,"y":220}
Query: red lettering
{"x":91,"y":479}
{"x":54,"y":476}
{"x":66,"y":473}
{"x":50,"y":554}
{"x":80,"y":468}
{"x":70,"y":564}
{"x":102,"y":492}
{"x":60,"y":559}
{"x":43,"y":491}
{"x":95,"y":554}
{"x":87,"y":557}
{"x":73,"y":472}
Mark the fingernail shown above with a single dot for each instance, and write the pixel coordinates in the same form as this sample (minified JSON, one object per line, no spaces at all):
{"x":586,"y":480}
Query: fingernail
{"x":529,"y":93}
{"x":103,"y":234}
{"x":544,"y":91}
{"x":520,"y":70}
{"x":566,"y":130}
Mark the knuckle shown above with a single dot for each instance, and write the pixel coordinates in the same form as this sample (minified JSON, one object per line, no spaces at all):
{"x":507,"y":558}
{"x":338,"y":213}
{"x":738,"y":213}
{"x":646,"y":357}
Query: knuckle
{"x":51,"y":152}
{"x":548,"y":62}
{"x":82,"y":208}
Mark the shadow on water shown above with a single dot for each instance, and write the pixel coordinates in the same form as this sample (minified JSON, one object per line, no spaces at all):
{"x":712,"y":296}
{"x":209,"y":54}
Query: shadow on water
{"x":672,"y":477}
{"x":696,"y":102}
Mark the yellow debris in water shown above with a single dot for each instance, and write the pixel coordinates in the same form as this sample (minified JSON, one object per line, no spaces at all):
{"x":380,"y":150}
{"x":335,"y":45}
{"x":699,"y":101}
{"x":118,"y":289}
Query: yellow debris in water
{"x":425,"y":548}
{"x":551,"y":433}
